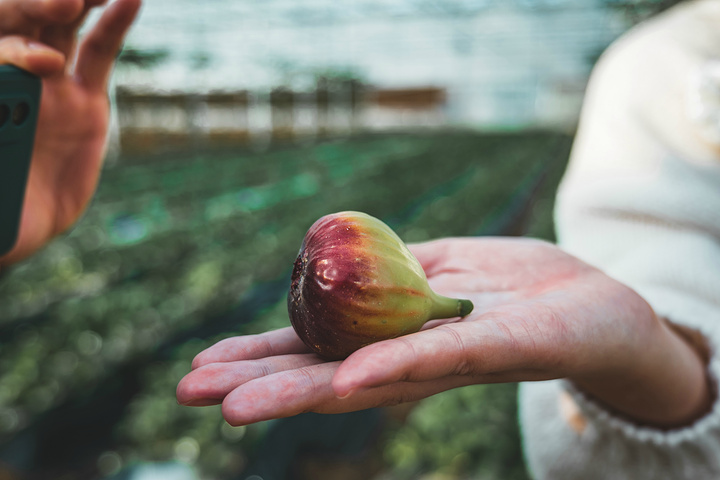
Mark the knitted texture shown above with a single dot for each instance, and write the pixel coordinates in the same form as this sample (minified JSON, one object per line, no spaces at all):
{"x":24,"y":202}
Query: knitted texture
{"x":641,"y":201}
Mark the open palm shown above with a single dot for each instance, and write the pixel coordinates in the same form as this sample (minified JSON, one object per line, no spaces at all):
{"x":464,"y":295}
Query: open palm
{"x":40,"y":37}
{"x":539,"y":314}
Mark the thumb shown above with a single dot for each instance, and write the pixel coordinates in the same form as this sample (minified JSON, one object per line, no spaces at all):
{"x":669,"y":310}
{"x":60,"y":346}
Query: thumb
{"x":30,"y":55}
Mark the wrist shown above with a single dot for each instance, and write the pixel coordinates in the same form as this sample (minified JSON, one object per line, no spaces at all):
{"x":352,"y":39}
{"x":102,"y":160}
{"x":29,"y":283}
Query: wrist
{"x":663,"y":382}
{"x":695,"y":340}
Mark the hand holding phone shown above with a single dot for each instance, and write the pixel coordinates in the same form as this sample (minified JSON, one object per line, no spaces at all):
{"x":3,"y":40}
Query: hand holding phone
{"x":42,"y":37}
{"x":19,"y":106}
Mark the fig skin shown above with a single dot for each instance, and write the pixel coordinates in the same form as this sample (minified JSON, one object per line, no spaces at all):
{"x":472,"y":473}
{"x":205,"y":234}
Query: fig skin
{"x":355,"y":282}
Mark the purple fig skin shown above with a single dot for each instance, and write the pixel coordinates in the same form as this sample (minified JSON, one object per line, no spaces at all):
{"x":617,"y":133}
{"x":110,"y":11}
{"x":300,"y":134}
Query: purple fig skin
{"x":355,"y":282}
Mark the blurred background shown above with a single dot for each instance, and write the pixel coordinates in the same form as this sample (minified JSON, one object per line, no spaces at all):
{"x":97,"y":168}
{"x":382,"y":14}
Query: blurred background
{"x":236,"y":125}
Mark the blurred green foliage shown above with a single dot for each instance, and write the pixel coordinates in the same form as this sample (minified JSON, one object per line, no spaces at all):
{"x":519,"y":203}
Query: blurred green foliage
{"x":179,"y":251}
{"x":466,"y":432}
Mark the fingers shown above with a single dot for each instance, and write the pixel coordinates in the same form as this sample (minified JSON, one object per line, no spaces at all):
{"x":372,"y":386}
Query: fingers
{"x":309,"y":389}
{"x":286,"y":385}
{"x":30,"y":55}
{"x":63,"y":35}
{"x":97,"y":51}
{"x":50,"y":25}
{"x":250,"y":347}
{"x":27,"y":16}
{"x":45,"y":12}
{"x":475,"y":348}
{"x":281,"y":395}
{"x":275,"y":385}
{"x":209,"y":384}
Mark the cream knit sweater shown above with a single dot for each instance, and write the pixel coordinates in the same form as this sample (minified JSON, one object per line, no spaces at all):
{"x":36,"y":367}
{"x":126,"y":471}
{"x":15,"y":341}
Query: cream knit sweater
{"x":641,"y":200}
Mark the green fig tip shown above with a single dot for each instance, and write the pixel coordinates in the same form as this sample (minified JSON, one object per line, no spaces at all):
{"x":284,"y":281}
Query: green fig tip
{"x":464,"y":307}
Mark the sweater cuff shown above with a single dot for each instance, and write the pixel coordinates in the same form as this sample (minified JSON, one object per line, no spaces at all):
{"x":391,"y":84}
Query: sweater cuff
{"x":604,"y":419}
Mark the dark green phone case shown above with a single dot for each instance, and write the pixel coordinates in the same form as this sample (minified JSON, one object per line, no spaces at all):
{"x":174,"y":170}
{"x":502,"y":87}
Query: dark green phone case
{"x":19,"y":105}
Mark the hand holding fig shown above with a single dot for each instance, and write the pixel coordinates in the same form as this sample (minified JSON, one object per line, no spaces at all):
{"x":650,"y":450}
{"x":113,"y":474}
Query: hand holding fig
{"x":355,"y":283}
{"x":544,"y":315}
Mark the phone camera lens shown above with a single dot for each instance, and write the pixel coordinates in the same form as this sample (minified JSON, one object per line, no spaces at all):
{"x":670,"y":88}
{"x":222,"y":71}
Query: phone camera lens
{"x":20,"y":113}
{"x":4,"y":115}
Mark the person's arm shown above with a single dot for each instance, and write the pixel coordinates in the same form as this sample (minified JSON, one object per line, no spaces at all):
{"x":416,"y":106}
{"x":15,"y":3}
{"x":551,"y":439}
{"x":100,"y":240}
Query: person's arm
{"x":636,"y":187}
{"x":641,"y":201}
{"x":40,"y":36}
{"x":539,"y":314}
{"x":665,"y":387}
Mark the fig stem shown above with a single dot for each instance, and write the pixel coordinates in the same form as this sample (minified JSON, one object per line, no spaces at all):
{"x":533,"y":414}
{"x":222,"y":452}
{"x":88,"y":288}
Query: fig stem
{"x":464,"y":307}
{"x":446,"y":307}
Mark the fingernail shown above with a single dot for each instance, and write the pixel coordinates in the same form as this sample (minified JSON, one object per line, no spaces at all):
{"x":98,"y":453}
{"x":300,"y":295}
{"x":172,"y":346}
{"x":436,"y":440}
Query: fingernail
{"x":343,"y":397}
{"x":347,"y":394}
{"x":37,"y":46}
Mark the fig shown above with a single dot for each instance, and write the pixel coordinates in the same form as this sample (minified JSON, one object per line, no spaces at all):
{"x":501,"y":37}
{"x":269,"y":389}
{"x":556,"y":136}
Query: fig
{"x":355,"y":282}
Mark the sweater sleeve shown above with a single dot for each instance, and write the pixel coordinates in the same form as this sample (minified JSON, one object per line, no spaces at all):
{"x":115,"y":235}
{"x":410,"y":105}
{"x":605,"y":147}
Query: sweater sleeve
{"x":641,"y":201}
